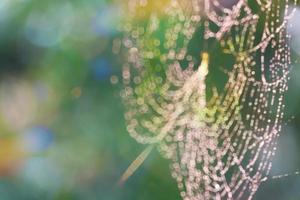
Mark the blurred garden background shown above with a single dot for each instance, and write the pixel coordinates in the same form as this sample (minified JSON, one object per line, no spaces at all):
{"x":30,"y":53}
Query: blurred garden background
{"x":62,"y":132}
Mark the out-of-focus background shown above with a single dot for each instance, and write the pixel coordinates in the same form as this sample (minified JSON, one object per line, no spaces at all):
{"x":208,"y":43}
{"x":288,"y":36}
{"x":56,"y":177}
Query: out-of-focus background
{"x":62,"y":133}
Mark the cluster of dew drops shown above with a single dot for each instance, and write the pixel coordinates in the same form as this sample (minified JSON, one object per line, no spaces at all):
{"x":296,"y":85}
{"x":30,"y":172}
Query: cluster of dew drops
{"x":221,"y":146}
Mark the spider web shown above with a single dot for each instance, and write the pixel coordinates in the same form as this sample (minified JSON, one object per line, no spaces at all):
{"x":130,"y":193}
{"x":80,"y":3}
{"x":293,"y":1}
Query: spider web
{"x":220,"y":139}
